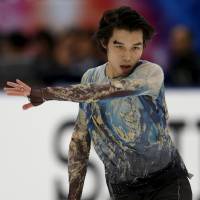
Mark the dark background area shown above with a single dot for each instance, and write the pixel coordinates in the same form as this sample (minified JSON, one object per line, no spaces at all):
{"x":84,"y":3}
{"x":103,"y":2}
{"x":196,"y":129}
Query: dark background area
{"x":50,"y":42}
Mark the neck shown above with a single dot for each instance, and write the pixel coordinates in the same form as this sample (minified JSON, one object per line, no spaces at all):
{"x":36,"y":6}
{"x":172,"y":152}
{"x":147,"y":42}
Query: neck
{"x":109,"y":72}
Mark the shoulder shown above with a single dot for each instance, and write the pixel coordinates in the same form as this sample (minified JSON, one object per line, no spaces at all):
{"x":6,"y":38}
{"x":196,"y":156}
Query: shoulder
{"x":93,"y":74}
{"x":147,"y":69}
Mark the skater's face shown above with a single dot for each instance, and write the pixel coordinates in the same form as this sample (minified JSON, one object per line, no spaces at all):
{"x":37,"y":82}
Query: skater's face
{"x":124,"y":49}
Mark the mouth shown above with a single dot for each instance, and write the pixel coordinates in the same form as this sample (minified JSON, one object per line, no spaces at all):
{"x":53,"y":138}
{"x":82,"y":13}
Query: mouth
{"x":125,"y":67}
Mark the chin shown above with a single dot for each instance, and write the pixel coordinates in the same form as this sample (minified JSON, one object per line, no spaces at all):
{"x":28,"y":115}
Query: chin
{"x":126,"y":72}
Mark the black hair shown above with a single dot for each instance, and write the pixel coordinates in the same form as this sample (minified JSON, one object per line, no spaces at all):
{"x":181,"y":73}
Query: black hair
{"x":121,"y":18}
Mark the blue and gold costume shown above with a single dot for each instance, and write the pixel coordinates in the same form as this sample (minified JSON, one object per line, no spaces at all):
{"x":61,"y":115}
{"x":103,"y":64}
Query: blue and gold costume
{"x":125,"y":118}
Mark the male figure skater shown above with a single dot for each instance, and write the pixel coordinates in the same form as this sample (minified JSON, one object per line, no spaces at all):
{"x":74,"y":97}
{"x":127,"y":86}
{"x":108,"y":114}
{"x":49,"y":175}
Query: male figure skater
{"x":122,"y":111}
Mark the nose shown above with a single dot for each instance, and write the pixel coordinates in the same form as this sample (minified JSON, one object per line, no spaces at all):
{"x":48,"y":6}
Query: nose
{"x":127,"y":56}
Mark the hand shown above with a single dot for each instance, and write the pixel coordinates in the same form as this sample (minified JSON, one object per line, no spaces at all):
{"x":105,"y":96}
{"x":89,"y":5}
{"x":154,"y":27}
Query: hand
{"x":18,"y":89}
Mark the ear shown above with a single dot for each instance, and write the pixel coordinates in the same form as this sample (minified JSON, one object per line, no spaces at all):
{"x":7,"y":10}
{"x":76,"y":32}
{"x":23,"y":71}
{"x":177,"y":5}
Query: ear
{"x":103,"y":44}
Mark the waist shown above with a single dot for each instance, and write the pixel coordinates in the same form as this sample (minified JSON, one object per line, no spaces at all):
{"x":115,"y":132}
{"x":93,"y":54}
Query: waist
{"x":155,"y":180}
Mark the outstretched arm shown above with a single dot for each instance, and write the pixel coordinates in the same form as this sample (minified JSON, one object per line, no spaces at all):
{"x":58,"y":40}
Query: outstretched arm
{"x":146,"y":82}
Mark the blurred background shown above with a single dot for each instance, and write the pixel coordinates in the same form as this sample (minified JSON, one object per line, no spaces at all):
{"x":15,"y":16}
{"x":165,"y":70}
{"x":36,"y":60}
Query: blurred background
{"x":49,"y":43}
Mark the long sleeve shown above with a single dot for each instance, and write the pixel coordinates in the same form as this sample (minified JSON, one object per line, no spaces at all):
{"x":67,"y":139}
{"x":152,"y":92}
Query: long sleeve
{"x":143,"y":82}
{"x":79,"y":149}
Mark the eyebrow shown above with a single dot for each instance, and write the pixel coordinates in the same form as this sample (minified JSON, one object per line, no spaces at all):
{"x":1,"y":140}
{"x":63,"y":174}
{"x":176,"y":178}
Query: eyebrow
{"x":136,"y":44}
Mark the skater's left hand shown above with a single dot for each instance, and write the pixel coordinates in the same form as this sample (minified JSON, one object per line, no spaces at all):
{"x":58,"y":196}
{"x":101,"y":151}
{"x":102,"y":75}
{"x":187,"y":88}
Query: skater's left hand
{"x":19,"y":89}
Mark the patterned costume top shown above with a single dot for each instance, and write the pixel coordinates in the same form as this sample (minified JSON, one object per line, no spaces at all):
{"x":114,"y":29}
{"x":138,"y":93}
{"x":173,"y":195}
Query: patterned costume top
{"x":124,"y":117}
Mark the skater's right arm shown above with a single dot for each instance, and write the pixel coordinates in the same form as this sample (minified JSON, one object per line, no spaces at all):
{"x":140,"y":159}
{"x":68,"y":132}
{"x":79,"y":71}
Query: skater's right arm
{"x":79,"y":149}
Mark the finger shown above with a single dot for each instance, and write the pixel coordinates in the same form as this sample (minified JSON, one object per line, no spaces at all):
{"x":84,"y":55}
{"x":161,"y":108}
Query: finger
{"x":23,"y":84}
{"x":11,"y":89}
{"x":27,"y":106}
{"x":23,"y":91}
{"x":14,"y":93}
{"x":12,"y":84}
{"x":18,"y":89}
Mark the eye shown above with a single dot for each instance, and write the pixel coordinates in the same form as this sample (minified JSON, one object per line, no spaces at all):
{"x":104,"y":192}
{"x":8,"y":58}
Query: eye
{"x":118,"y":46}
{"x":136,"y":48}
